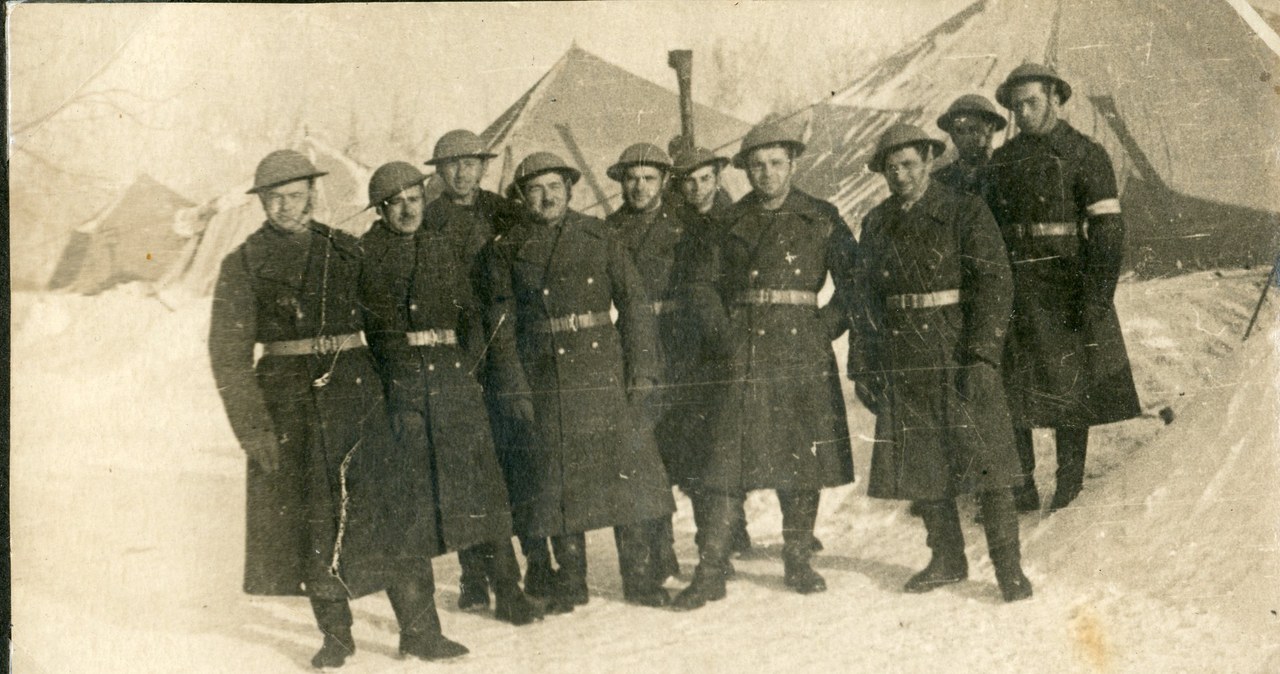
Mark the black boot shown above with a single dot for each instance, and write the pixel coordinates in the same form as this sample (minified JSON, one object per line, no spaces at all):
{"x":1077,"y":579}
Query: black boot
{"x":799,"y":513}
{"x":413,"y":601}
{"x":1072,"y":445}
{"x":539,"y":577}
{"x":947,"y":563}
{"x":333,"y":616}
{"x":1026,"y":496}
{"x":662,"y":549}
{"x":741,"y":542}
{"x":640,"y":584}
{"x":473,"y":587}
{"x":1001,"y":525}
{"x":503,"y":574}
{"x":715,"y":530}
{"x":571,"y":580}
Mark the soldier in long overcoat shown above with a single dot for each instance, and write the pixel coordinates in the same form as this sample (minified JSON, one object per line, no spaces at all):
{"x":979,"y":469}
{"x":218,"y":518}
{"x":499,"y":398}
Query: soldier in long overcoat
{"x":580,"y":380}
{"x":971,"y":121}
{"x":329,"y":489}
{"x":461,"y":159}
{"x":1053,"y":192}
{"x":782,"y":424}
{"x":426,"y":328}
{"x":934,"y":291}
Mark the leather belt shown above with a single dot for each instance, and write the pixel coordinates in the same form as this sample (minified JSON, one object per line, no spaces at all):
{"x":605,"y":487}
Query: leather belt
{"x":324,"y":344}
{"x":940,"y":298}
{"x":431,"y":338}
{"x":574,"y":322}
{"x":766,"y":296}
{"x":1046,"y":229}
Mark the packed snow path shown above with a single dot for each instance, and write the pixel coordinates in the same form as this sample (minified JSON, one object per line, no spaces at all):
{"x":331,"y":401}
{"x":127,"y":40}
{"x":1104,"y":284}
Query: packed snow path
{"x":128,"y":516}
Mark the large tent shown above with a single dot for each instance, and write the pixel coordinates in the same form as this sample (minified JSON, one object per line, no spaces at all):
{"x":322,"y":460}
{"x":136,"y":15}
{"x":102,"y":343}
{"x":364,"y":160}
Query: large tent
{"x":217,"y":226}
{"x":1180,"y":93}
{"x":131,"y":240}
{"x":587,"y":110}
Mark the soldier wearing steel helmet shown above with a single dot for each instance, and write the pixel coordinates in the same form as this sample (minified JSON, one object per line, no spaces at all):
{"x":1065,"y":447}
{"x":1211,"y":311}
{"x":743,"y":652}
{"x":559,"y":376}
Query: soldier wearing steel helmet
{"x":471,"y":215}
{"x":782,"y":425}
{"x":580,"y":380}
{"x":1053,"y":192}
{"x":426,"y":327}
{"x":934,"y":291}
{"x":327,"y":496}
{"x":971,"y":121}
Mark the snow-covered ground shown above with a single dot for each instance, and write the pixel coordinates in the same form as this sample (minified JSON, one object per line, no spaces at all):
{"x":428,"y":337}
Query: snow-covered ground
{"x":128,"y":508}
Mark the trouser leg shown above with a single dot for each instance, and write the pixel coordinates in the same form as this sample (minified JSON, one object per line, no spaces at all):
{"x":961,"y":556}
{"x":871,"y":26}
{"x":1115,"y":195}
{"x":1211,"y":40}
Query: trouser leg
{"x":413,"y":601}
{"x":1001,"y":524}
{"x":662,"y":548}
{"x":539,"y":578}
{"x":719,"y":516}
{"x":333,"y":617}
{"x":473,"y":587}
{"x":571,"y":579}
{"x":640,"y":584}
{"x":1026,"y":496}
{"x":1072,"y":446}
{"x":503,"y":573}
{"x":799,"y":514}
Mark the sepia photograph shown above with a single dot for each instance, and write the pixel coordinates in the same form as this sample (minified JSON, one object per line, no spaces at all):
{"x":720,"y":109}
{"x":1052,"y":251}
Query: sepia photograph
{"x":645,"y":336}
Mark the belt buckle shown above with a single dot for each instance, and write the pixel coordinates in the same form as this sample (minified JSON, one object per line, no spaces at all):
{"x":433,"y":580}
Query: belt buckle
{"x":324,"y":344}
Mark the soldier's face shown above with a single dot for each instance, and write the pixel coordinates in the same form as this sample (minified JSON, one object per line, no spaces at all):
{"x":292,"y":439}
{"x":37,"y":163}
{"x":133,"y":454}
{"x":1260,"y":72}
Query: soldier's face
{"x":403,"y":212}
{"x":769,"y":169}
{"x":972,"y":136}
{"x":288,"y":206}
{"x":547,"y":197}
{"x":642,"y":187}
{"x":907,"y":172}
{"x":1034,"y":108}
{"x":462,"y":176}
{"x":699,"y":187}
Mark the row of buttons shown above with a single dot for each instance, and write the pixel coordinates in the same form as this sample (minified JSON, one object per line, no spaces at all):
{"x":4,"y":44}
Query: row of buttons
{"x":561,"y":351}
{"x":432,"y":366}
{"x":761,"y":332}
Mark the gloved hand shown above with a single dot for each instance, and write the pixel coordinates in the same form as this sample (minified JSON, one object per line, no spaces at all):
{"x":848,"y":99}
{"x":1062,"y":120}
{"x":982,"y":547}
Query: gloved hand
{"x":870,"y":390}
{"x":520,"y":408}
{"x":641,"y":389}
{"x":264,"y":450}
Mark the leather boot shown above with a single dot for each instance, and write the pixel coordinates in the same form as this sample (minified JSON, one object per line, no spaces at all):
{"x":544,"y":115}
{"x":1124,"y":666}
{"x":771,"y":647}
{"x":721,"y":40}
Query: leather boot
{"x":503,"y":573}
{"x":1001,"y":525}
{"x":662,"y":549}
{"x":640,"y":583}
{"x":473,"y":587}
{"x":571,"y":579}
{"x":720,"y":514}
{"x":1072,"y":445}
{"x":1026,"y":496}
{"x":947,"y":563}
{"x":333,"y":617}
{"x":799,"y":514}
{"x":741,"y":542}
{"x":539,"y":577}
{"x":413,"y":601}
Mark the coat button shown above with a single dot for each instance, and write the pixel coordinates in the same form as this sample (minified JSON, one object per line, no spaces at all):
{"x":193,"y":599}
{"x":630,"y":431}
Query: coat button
{"x":793,"y":331}
{"x":457,"y":364}
{"x":413,"y":307}
{"x":885,"y":273}
{"x":760,"y":332}
{"x":896,"y":332}
{"x":431,"y":367}
{"x":560,"y":351}
{"x":797,"y":271}
{"x":353,"y":312}
{"x":590,"y":280}
{"x":595,"y":345}
{"x":359,"y":380}
{"x":755,"y":273}
{"x":924,"y":326}
{"x":546,"y":291}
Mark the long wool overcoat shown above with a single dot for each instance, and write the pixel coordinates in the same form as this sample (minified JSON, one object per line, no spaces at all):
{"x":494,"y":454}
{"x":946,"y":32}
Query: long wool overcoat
{"x":320,"y":524}
{"x":593,"y":462}
{"x":1066,"y":364}
{"x":931,"y":441}
{"x":417,"y":282}
{"x":782,"y":423}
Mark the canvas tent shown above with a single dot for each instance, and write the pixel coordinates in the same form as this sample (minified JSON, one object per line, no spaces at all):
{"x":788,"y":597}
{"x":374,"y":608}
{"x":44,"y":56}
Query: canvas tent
{"x":131,"y":240}
{"x":1180,"y":93}
{"x":216,"y":227}
{"x":587,"y":110}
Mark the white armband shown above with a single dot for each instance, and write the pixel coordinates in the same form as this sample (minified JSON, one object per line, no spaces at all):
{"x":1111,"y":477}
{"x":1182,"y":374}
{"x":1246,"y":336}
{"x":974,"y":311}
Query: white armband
{"x":1104,"y":207}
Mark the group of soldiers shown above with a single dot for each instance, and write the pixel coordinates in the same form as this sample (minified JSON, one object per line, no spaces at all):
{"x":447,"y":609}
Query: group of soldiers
{"x":482,"y":366}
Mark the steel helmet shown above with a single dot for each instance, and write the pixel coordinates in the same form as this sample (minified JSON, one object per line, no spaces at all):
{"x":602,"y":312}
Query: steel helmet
{"x":1029,"y":72}
{"x":690,"y":160}
{"x":280,"y":167}
{"x":539,"y":163}
{"x":902,"y":135}
{"x":770,"y":132}
{"x":457,"y":144}
{"x":640,"y":154}
{"x":391,"y":179}
{"x":972,"y":104}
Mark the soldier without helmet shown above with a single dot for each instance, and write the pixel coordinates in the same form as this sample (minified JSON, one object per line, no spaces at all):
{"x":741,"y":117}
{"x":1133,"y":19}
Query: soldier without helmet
{"x":1053,"y":193}
{"x":325,"y":475}
{"x":934,"y":290}
{"x":426,"y":328}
